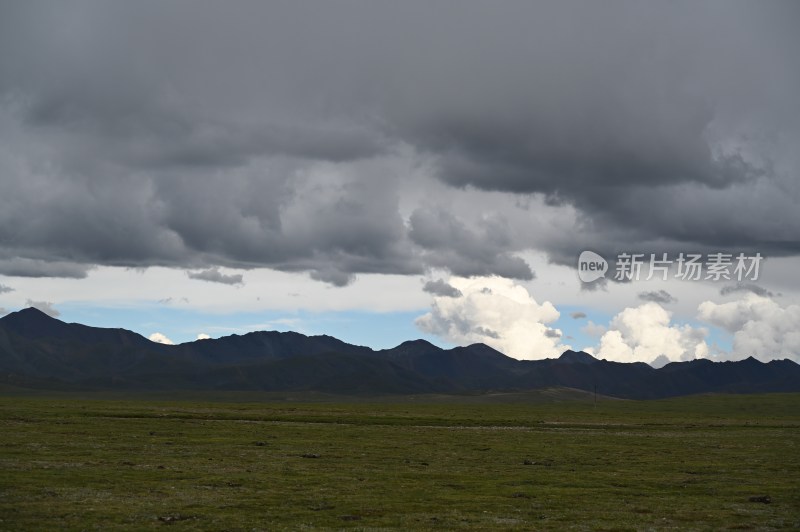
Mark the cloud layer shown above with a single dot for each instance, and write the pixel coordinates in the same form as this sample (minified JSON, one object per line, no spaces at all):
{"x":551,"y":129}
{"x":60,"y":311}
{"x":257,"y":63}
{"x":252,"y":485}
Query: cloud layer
{"x":441,"y":288}
{"x":658,"y":296}
{"x":197,"y":136}
{"x":213,"y":275}
{"x":329,"y":141}
{"x":497,"y":312}
{"x":761,"y":327}
{"x":645,"y":333}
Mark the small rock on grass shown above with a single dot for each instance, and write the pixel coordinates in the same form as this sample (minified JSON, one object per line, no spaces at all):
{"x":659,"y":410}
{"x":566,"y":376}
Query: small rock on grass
{"x":174,"y":518}
{"x":545,"y":462}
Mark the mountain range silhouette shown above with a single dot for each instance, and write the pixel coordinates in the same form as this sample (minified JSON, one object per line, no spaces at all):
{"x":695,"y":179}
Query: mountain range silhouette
{"x":39,"y":351}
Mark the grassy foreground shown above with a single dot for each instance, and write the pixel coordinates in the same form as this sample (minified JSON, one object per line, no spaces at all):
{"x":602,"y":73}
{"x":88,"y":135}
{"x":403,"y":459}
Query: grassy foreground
{"x":689,"y":463}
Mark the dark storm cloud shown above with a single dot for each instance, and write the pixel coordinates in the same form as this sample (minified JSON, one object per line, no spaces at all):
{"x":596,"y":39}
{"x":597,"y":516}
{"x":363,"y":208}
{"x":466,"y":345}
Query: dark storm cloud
{"x":21,"y":267}
{"x":441,"y":288}
{"x":164,"y":138}
{"x":213,"y":275}
{"x":660,"y":296}
{"x":745,"y":287}
{"x":4,"y":289}
{"x":671,"y":111}
{"x":449,"y":243}
{"x":196,"y":135}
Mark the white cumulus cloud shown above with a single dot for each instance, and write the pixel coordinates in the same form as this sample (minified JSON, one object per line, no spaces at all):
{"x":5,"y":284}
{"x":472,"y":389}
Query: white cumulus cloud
{"x":160,"y":339}
{"x":761,"y":327}
{"x":203,"y":336}
{"x":498,"y":312}
{"x":645,"y":333}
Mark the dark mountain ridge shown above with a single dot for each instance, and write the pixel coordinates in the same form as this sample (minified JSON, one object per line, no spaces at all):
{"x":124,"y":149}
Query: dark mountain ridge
{"x":40,"y":351}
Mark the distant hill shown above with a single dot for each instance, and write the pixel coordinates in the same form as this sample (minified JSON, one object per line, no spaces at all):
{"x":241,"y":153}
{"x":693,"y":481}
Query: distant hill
{"x":39,"y":351}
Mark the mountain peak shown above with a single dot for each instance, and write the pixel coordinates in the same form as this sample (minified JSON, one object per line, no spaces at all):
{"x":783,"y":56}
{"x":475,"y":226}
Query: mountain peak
{"x":31,"y":316}
{"x":751,"y":360}
{"x":29,"y":313}
{"x":419,"y":343}
{"x":412,"y":348}
{"x":32,"y":322}
{"x":576,"y":357}
{"x":484,"y":350}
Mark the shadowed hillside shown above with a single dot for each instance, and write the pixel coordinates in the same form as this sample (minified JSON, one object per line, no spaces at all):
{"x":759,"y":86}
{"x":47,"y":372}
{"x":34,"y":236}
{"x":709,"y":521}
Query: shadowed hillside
{"x":39,"y":351}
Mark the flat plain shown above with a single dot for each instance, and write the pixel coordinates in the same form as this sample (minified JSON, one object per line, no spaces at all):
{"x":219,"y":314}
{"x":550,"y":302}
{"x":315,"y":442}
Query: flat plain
{"x":551,"y":460}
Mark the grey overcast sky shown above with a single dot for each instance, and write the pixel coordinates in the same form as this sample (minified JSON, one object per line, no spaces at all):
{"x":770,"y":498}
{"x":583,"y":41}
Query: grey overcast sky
{"x":430,"y":144}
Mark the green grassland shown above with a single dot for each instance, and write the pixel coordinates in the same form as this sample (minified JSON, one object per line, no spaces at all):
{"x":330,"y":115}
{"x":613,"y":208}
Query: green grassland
{"x":542,"y":461}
